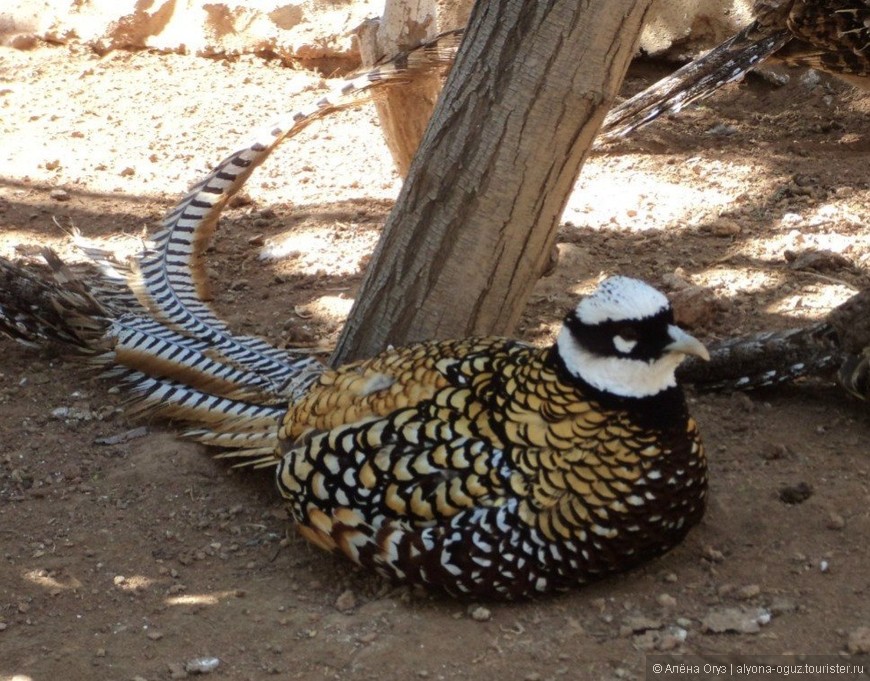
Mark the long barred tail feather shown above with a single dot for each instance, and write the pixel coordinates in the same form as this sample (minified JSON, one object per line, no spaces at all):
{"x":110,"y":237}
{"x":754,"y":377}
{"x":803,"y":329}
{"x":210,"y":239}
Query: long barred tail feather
{"x":765,"y":359}
{"x":170,"y":278}
{"x":837,"y":346}
{"x":50,"y":306}
{"x":696,"y":80}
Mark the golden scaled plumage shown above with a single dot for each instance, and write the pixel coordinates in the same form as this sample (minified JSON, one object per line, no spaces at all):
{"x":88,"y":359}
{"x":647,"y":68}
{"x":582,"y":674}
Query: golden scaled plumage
{"x":387,"y":458}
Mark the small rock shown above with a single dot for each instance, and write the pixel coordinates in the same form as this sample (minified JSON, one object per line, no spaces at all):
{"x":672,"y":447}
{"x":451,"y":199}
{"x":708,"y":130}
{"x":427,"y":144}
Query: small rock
{"x":346,"y":601}
{"x":176,"y":671}
{"x":3,"y":626}
{"x":24,"y":41}
{"x":713,"y":555}
{"x":693,"y":306}
{"x":121,"y":438}
{"x":100,"y":652}
{"x":782,"y":606}
{"x":154,"y":635}
{"x":810,"y":79}
{"x":820,"y":261}
{"x":52,"y":165}
{"x":859,"y":641}
{"x":676,"y":280}
{"x":722,"y":130}
{"x":666,"y":601}
{"x":635,"y":624}
{"x":201,"y":665}
{"x":744,"y":593}
{"x":240,"y":199}
{"x":725,"y":227}
{"x":722,"y":620}
{"x":774,"y":451}
{"x":795,"y":494}
{"x":648,"y":640}
{"x":481,"y":614}
{"x":59,"y":195}
{"x":127,"y":172}
{"x":835,"y":521}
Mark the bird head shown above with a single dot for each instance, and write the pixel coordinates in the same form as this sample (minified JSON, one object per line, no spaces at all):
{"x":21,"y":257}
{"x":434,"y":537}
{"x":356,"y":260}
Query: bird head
{"x":621,"y":339}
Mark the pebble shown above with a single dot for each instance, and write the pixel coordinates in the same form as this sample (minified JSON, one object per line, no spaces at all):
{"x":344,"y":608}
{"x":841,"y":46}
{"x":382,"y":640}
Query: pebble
{"x":782,"y":606}
{"x":749,"y":591}
{"x":835,"y":521}
{"x":201,"y":665}
{"x":859,"y":641}
{"x":713,"y":555}
{"x":638,"y":623}
{"x":155,"y":635}
{"x":59,"y":195}
{"x":693,"y":306}
{"x":666,"y":600}
{"x":346,"y":601}
{"x":722,"y":620}
{"x":795,"y":494}
{"x":725,"y":227}
{"x":481,"y":614}
{"x":176,"y":671}
{"x":820,"y":261}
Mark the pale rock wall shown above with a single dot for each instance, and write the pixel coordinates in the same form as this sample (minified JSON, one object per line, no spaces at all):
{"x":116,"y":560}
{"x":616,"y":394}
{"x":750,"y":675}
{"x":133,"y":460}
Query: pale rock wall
{"x":301,"y":29}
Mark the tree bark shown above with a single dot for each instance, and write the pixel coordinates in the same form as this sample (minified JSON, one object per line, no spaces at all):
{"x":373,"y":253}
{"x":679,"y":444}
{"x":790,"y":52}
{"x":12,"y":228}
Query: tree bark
{"x":404,"y":112}
{"x":477,"y":217}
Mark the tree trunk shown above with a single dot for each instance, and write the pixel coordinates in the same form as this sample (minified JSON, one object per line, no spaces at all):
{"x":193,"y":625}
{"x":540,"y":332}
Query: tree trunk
{"x":477,"y":217}
{"x":404,"y":112}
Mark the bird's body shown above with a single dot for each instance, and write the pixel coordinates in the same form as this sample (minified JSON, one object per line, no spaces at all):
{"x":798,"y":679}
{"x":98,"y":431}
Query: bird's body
{"x":481,"y":467}
{"x":498,"y":475}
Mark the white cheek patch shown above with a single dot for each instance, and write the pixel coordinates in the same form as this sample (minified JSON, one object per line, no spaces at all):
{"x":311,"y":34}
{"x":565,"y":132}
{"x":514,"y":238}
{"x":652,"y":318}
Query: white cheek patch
{"x":624,"y":346}
{"x":618,"y":375}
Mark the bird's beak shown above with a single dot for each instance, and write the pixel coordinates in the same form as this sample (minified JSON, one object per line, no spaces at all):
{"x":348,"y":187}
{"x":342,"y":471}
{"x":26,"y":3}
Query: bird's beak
{"x":688,"y":345}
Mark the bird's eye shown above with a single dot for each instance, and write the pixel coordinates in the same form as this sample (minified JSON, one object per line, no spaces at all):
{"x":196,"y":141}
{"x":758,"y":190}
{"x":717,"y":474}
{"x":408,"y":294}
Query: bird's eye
{"x":627,"y":333}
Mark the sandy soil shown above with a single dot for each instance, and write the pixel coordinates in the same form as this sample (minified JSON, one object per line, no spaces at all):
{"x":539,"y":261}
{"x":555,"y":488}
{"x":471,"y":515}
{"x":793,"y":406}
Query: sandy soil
{"x":127,"y":554}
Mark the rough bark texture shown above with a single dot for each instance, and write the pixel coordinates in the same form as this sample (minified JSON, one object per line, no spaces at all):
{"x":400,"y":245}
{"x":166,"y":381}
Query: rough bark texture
{"x":477,"y":217}
{"x":404,"y":112}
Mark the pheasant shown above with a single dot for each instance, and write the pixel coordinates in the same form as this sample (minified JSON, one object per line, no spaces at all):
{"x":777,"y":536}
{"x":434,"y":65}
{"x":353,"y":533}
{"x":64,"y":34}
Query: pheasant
{"x":483,"y":467}
{"x":829,"y":35}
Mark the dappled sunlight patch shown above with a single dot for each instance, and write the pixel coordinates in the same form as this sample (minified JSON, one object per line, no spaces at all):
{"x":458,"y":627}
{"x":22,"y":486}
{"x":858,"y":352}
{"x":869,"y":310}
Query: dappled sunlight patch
{"x":201,"y":599}
{"x":734,"y":280}
{"x":15,"y":677}
{"x":333,"y":306}
{"x":308,"y":249}
{"x":133,"y":584}
{"x":51,"y":582}
{"x":812,"y":301}
{"x":617,"y":192}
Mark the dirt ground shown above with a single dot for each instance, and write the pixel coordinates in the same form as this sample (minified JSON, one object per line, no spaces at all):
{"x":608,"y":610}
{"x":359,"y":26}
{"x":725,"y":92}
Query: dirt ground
{"x":128,"y":554}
